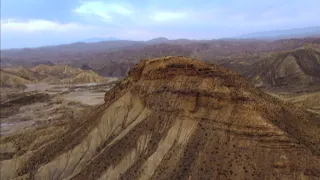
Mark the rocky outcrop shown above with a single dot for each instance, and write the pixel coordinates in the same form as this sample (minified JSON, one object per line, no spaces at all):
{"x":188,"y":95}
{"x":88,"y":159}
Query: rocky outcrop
{"x":174,"y":118}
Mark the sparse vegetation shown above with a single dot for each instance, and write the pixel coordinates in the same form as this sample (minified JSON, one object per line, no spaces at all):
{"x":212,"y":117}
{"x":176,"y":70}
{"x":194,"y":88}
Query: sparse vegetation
{"x":163,"y":124}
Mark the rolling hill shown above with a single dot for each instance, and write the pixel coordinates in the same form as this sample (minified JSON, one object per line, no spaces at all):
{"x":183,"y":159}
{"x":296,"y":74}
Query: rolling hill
{"x":57,"y":74}
{"x":9,"y":80}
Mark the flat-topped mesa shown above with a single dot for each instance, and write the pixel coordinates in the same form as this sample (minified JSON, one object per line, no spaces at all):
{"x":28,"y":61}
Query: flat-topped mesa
{"x":175,"y":85}
{"x":173,"y":82}
{"x":172,"y":66}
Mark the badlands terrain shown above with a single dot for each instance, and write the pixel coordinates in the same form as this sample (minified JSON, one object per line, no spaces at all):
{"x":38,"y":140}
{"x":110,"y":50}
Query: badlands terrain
{"x":52,"y":74}
{"x":116,"y":58}
{"x":291,"y":75}
{"x":43,"y":94}
{"x":43,"y":104}
{"x":170,"y":118}
{"x":128,"y":110}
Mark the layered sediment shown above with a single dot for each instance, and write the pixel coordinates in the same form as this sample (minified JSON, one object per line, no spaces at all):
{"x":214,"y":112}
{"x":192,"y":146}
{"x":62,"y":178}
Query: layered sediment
{"x":174,"y":118}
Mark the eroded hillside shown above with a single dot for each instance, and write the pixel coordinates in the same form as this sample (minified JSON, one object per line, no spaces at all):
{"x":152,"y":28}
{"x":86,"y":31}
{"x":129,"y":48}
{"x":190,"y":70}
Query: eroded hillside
{"x":174,"y":118}
{"x":57,"y":74}
{"x":292,"y":69}
{"x":114,"y":58}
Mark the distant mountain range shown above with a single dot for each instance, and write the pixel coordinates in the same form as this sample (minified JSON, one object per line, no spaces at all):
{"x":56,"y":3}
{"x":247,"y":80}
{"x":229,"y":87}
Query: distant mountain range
{"x":264,"y":35}
{"x":281,"y":34}
{"x":115,"y":58}
{"x":158,"y":40}
{"x":97,"y":39}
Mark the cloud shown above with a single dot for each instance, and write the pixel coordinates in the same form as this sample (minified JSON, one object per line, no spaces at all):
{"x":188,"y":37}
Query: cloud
{"x":168,"y":16}
{"x":105,"y":11}
{"x":39,"y":32}
{"x":248,"y":15}
{"x":146,"y":19}
{"x":39,"y":25}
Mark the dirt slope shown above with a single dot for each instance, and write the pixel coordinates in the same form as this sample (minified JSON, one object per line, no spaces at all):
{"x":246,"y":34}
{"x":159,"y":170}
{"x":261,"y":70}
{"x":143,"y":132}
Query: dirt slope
{"x":9,"y":80}
{"x":57,"y":74}
{"x":24,"y":73}
{"x":66,"y":74}
{"x":116,"y":69}
{"x":84,"y":77}
{"x":174,"y":118}
{"x":310,"y":101}
{"x":293,"y":69}
{"x":56,"y":70}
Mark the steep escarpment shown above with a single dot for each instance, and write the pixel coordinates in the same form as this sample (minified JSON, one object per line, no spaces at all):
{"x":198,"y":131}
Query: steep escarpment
{"x":174,"y":118}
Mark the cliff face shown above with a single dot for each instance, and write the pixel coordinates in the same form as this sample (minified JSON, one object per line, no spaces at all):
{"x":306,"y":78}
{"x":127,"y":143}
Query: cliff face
{"x":174,"y":118}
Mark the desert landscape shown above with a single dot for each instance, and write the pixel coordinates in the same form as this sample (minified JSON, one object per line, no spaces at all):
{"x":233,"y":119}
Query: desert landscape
{"x":160,"y":90}
{"x":42,"y":104}
{"x":171,"y":118}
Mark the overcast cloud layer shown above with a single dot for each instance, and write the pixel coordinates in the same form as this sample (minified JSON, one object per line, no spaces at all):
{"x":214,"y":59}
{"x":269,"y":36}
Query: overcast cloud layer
{"x":30,"y":23}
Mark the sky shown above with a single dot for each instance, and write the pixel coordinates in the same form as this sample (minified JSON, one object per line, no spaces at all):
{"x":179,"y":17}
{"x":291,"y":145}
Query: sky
{"x":32,"y":23}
